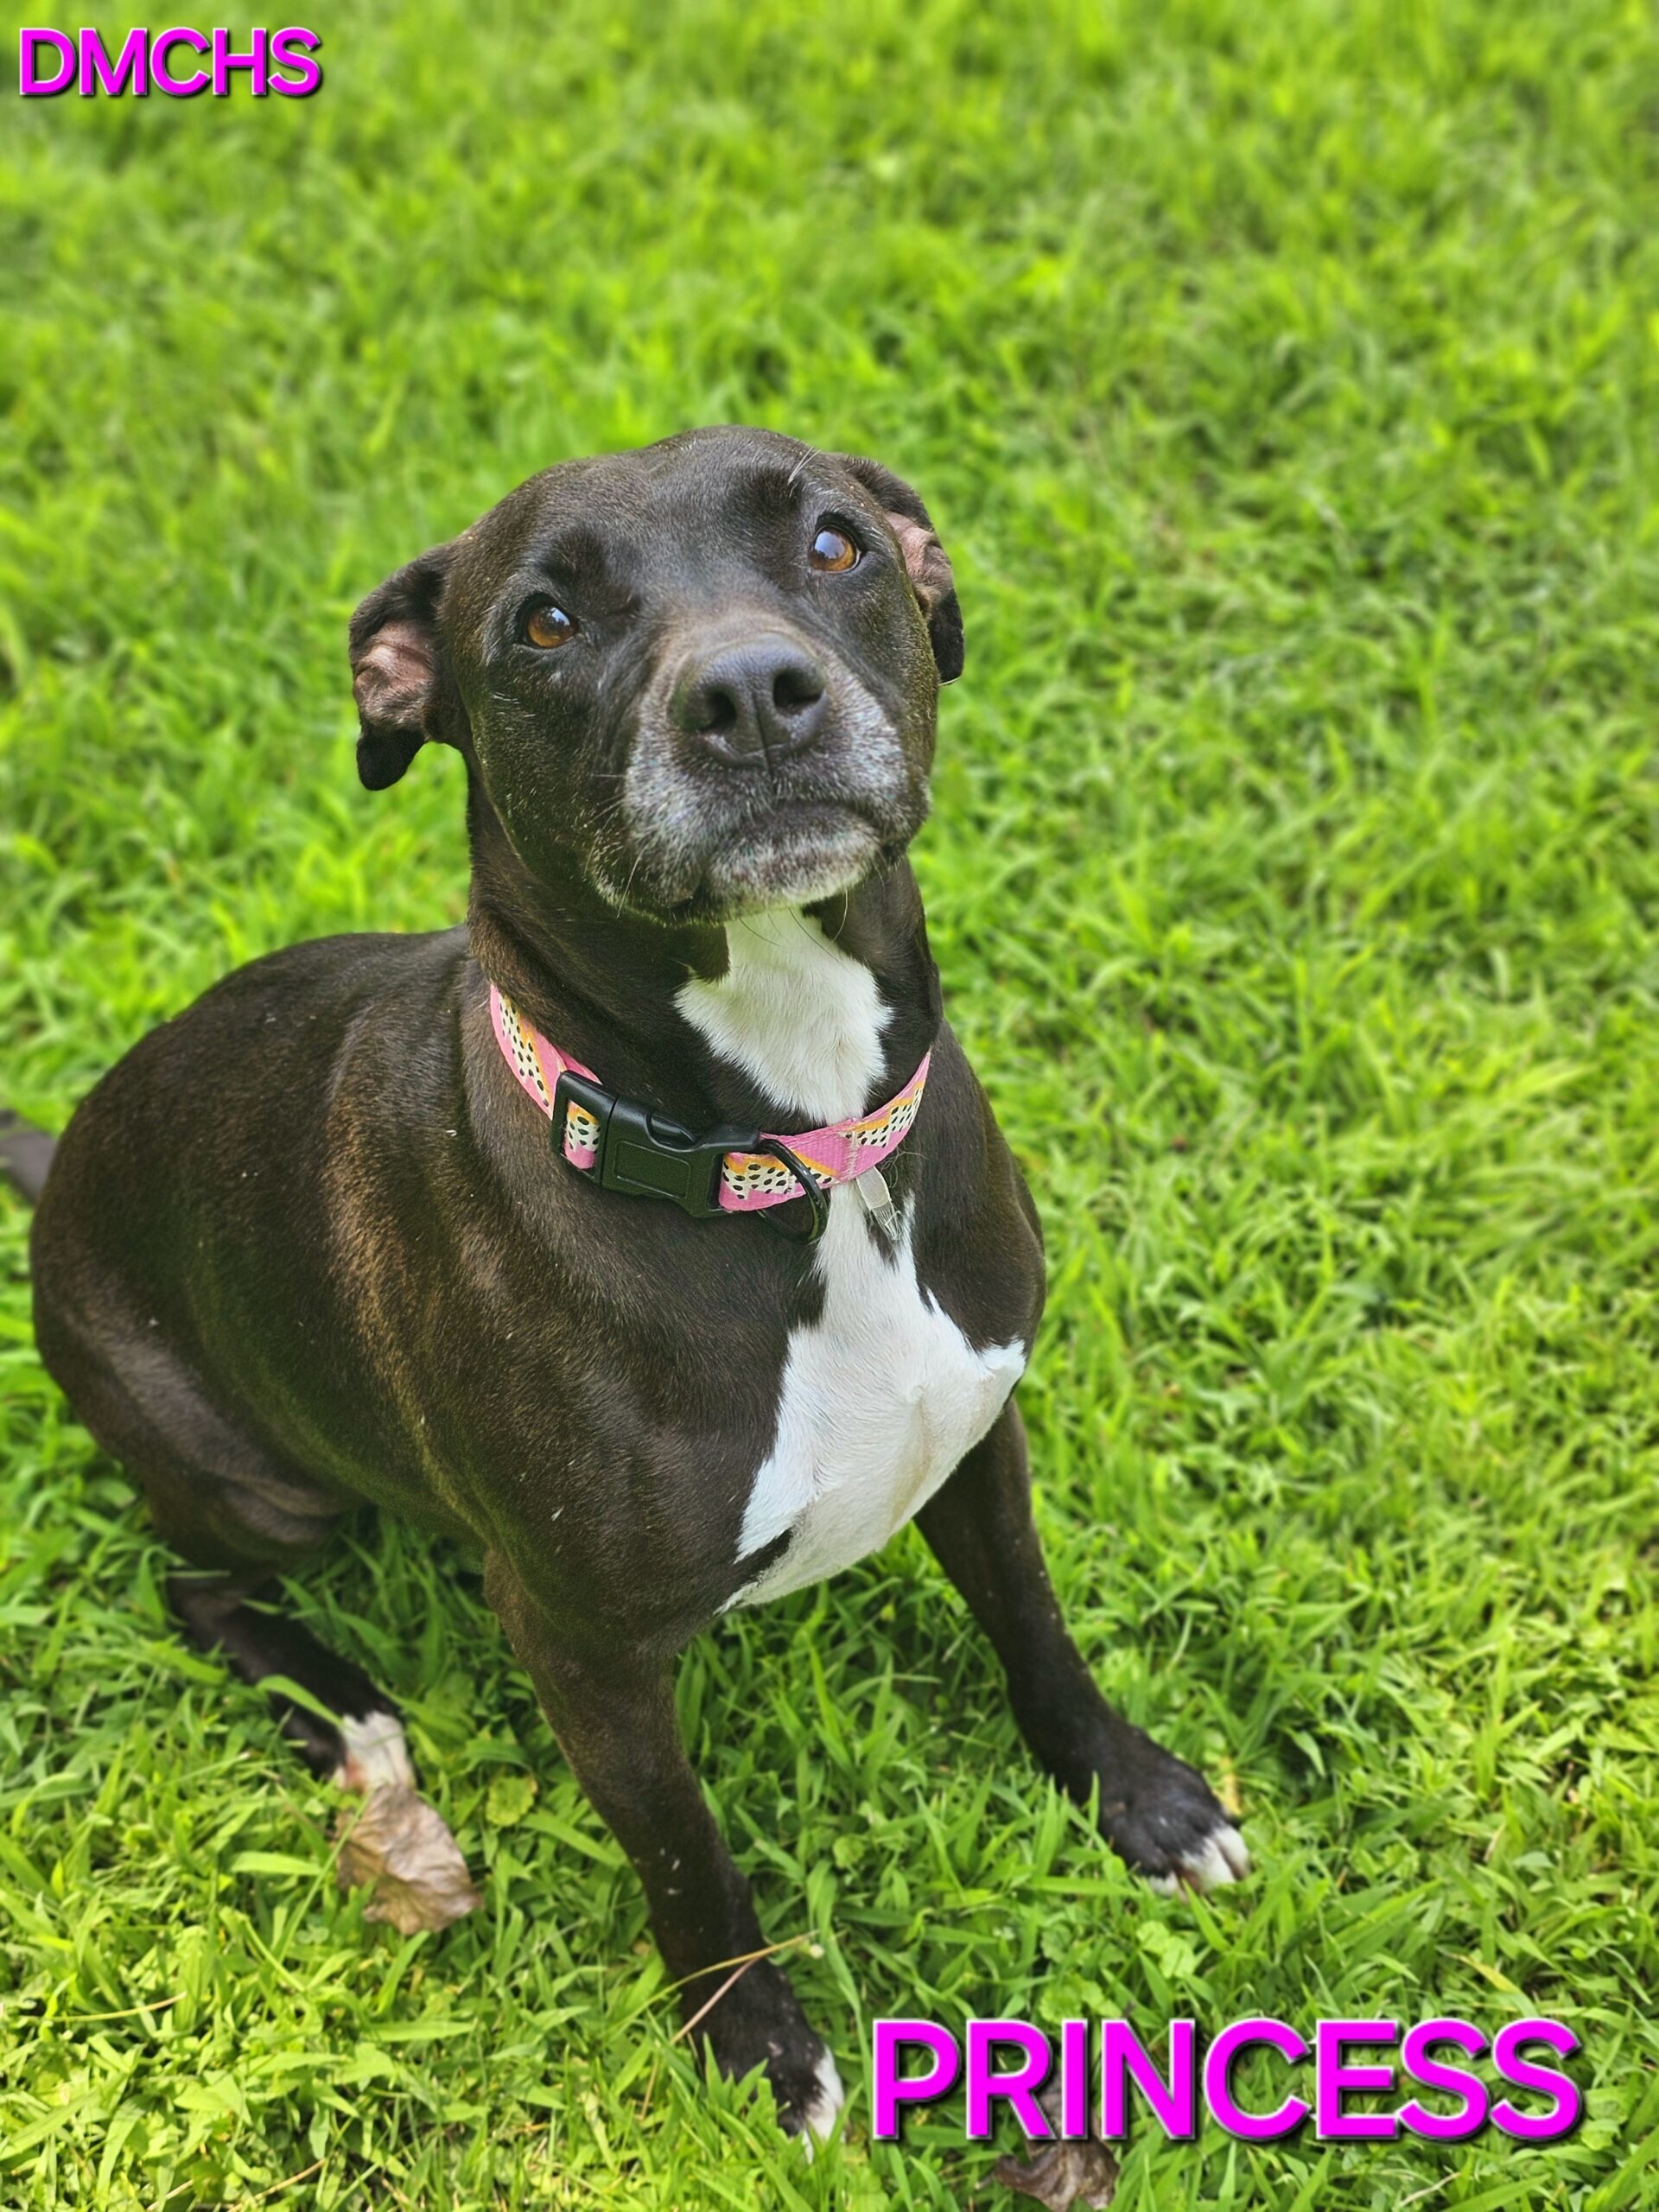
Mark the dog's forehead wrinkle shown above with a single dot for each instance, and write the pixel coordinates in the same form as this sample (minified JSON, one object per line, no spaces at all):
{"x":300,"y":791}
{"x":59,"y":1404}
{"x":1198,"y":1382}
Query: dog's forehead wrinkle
{"x":572,"y":545}
{"x":710,"y":484}
{"x":770,"y":485}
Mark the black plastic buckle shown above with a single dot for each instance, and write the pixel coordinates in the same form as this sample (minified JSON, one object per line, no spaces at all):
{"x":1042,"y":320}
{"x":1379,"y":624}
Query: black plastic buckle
{"x":646,"y":1155}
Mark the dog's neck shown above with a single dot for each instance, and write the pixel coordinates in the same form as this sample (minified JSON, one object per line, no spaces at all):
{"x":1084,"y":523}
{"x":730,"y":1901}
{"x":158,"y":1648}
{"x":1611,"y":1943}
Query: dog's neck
{"x":791,"y":1016}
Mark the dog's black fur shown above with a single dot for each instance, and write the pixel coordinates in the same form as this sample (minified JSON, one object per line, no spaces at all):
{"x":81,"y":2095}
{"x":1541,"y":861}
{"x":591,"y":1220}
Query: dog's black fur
{"x":308,"y":1245}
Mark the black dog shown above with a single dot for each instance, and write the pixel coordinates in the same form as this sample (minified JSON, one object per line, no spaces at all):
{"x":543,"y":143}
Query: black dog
{"x":309,"y":1243}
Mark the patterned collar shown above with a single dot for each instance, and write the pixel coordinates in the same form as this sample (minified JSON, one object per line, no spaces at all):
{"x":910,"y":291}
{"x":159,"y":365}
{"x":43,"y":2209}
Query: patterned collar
{"x":623,"y":1146}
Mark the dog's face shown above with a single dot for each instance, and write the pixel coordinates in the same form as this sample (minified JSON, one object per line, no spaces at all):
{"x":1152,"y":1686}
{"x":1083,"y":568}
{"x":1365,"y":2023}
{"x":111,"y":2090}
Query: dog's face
{"x":704,"y":673}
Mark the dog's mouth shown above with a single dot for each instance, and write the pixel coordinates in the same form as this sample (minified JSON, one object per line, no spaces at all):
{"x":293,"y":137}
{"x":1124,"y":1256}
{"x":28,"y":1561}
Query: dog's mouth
{"x":803,"y":849}
{"x":797,"y":852}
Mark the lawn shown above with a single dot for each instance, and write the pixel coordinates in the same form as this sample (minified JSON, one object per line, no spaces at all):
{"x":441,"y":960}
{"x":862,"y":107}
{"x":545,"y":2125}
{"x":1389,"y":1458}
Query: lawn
{"x":1286,"y":383}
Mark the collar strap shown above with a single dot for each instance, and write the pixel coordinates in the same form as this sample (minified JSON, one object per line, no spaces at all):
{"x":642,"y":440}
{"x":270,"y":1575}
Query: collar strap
{"x":623,"y":1146}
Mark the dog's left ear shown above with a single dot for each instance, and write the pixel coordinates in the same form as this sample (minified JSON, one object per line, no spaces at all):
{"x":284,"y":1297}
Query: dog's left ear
{"x":924,"y":558}
{"x":394,"y":668}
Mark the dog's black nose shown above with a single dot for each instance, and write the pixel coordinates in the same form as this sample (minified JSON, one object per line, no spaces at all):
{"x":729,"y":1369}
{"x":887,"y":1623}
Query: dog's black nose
{"x":765,"y":698}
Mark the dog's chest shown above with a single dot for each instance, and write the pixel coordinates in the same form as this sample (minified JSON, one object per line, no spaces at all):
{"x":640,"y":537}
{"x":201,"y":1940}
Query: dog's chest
{"x":881,"y":1394}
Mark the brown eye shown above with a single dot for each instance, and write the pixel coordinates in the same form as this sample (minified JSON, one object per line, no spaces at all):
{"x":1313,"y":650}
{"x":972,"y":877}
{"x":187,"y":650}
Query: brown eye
{"x":550,"y":626}
{"x":832,"y":550}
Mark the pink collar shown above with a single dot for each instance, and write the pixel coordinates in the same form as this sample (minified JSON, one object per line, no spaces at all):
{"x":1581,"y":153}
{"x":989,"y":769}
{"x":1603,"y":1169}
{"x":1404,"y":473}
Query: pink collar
{"x":623,"y":1147}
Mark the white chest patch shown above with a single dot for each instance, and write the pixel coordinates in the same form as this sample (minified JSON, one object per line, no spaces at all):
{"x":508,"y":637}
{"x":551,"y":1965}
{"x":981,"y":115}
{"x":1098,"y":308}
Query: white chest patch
{"x":882,"y":1394}
{"x":794,"y":1012}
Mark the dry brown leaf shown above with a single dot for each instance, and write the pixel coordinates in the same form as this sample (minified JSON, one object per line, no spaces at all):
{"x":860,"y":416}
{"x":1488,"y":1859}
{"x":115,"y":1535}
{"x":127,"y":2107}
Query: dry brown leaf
{"x":1059,"y":2174}
{"x":400,"y":1846}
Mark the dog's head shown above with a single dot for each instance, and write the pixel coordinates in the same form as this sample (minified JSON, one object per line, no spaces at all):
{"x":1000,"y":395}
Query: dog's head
{"x":704,"y":673}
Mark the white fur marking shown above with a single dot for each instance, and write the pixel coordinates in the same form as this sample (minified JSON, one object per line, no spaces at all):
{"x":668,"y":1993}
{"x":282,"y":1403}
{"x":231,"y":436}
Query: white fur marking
{"x":795,"y":1012}
{"x":882,"y":1394}
{"x":377,"y":1756}
{"x":820,"y":2111}
{"x":1221,"y":1859}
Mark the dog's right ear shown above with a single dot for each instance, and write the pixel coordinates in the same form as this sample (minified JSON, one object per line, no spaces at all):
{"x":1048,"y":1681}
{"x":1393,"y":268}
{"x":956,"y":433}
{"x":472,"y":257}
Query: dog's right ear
{"x":924,"y":558}
{"x":394,"y":667}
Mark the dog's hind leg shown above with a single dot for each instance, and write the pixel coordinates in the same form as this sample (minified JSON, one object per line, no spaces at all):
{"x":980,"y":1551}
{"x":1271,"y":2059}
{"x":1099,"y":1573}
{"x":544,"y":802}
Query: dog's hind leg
{"x":238,"y":1615}
{"x":127,"y":1354}
{"x":241,"y":1518}
{"x":398,"y":1844}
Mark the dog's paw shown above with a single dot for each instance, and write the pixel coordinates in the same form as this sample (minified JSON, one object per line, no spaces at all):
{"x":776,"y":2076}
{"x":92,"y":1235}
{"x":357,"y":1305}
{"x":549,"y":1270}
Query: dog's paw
{"x":374,"y":1754}
{"x":760,"y":2022}
{"x":819,"y":2117}
{"x":1221,"y":1857}
{"x":1163,"y":1818}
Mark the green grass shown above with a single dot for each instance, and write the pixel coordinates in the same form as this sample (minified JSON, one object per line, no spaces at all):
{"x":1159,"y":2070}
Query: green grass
{"x":1286,"y":380}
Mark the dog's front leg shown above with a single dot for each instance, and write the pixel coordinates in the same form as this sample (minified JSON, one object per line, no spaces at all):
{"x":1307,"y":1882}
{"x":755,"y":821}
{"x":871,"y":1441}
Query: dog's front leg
{"x":1153,"y":1809}
{"x":616,"y":1723}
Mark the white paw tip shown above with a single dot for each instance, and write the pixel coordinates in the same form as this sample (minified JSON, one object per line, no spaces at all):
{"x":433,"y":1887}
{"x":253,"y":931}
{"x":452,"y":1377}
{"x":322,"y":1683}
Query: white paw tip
{"x":1222,"y":1858}
{"x":823,"y":2109}
{"x":377,"y":1756}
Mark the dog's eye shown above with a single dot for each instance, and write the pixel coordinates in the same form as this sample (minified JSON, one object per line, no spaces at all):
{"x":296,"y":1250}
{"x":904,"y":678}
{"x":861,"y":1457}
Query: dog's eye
{"x":832,"y":550}
{"x":549,"y":626}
